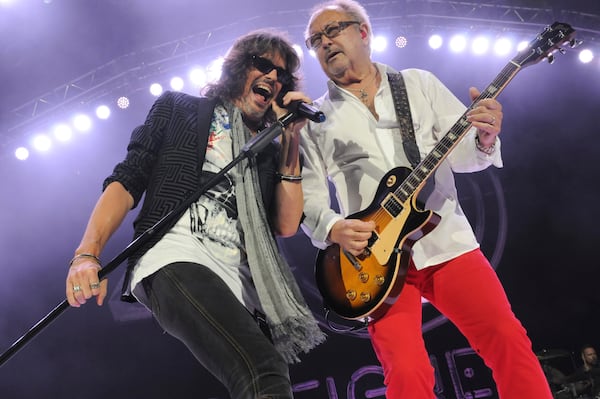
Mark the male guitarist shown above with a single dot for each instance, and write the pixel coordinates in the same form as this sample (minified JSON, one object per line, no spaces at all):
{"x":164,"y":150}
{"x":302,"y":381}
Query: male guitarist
{"x":356,"y":146}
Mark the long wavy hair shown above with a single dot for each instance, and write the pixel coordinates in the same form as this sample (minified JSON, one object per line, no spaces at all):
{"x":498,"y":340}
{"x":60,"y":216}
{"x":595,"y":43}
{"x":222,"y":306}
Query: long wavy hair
{"x":238,"y":62}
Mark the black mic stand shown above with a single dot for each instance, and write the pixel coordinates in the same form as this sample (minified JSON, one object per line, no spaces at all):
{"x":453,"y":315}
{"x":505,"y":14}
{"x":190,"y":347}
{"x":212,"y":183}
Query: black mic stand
{"x":251,"y":148}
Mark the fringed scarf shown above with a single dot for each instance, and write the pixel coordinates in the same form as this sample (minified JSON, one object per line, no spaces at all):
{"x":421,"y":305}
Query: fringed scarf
{"x":293,"y":327}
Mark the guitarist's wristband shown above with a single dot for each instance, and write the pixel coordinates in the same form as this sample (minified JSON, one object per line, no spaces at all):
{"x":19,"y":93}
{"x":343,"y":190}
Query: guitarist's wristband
{"x":90,"y":256}
{"x":292,"y":178}
{"x":486,"y":150}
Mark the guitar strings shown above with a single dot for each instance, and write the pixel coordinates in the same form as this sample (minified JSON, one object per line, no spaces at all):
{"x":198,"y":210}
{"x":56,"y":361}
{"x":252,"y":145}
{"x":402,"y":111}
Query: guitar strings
{"x":413,"y":181}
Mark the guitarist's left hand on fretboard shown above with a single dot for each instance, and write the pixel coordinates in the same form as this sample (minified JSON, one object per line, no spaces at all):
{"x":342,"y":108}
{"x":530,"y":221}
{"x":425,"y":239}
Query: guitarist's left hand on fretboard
{"x":486,"y":116}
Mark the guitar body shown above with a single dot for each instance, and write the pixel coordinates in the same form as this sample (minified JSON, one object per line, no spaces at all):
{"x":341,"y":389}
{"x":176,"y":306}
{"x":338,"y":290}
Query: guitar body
{"x":364,"y":287}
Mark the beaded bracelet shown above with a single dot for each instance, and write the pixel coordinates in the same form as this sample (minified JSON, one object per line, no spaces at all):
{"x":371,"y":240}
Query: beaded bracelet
{"x":84,"y":255}
{"x":486,"y":150}
{"x":292,"y":178}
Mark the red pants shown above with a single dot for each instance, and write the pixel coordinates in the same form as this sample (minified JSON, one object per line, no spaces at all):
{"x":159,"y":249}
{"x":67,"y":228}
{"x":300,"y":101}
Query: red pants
{"x":467,"y":291}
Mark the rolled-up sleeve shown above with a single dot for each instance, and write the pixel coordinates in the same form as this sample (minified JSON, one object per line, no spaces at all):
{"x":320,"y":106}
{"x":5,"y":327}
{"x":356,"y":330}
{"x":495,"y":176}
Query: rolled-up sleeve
{"x":135,"y":170}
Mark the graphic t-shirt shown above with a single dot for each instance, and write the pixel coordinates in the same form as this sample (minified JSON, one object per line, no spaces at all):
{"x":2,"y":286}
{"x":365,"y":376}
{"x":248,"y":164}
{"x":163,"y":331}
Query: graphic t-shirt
{"x":209,"y":232}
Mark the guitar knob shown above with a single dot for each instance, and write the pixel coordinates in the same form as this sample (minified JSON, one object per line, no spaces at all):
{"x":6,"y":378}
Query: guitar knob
{"x":365,"y":297}
{"x":363,"y":277}
{"x":351,"y":295}
{"x":379,"y":280}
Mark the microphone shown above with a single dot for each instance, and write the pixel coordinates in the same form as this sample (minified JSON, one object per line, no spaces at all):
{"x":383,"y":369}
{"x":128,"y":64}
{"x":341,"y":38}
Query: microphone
{"x":304,"y":110}
{"x":301,"y":109}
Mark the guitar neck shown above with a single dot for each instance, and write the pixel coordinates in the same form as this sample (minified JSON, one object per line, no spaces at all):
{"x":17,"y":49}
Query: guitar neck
{"x":416,"y":179}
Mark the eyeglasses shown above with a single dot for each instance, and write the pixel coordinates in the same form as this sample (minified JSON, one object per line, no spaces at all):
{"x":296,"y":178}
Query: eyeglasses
{"x":266,"y":66}
{"x":330,"y":31}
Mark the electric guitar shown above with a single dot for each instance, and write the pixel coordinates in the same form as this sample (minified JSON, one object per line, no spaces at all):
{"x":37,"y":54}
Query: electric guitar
{"x":364,"y":287}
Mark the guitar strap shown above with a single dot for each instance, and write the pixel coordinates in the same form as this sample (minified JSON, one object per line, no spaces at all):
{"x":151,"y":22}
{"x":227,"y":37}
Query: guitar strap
{"x":404,"y":118}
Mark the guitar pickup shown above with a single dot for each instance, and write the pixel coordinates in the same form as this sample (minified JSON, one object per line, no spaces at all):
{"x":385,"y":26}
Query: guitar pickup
{"x":371,"y":241}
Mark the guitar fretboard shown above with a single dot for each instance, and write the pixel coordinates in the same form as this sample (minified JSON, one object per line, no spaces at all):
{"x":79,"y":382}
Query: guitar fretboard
{"x":415,"y":180}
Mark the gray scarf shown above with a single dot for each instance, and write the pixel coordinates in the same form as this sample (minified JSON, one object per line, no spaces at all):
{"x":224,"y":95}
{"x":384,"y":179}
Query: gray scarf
{"x":293,"y":327}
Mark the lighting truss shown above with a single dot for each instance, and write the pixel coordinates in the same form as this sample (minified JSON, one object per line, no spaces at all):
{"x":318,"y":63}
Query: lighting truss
{"x":130,"y":73}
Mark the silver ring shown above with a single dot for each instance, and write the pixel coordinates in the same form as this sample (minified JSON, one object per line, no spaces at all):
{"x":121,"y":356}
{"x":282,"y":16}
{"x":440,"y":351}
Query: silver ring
{"x":95,"y":286}
{"x":76,"y":288}
{"x":493,"y":120}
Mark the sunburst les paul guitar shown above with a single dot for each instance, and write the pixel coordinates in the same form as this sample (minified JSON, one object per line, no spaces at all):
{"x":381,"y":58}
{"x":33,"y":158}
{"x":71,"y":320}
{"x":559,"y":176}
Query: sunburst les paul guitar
{"x":364,"y":287}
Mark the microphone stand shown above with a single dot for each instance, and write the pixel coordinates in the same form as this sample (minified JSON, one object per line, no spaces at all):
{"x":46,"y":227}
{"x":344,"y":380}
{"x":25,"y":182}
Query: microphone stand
{"x":251,"y":148}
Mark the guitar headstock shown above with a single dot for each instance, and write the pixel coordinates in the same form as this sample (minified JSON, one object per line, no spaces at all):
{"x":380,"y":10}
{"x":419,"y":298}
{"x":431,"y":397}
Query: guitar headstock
{"x":550,"y":40}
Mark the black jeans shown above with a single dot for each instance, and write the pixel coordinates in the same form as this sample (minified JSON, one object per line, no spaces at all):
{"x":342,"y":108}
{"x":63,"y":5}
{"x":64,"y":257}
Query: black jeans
{"x":193,"y":304}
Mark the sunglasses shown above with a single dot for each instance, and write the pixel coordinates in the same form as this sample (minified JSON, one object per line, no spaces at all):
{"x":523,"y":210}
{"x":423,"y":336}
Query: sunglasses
{"x":266,"y":66}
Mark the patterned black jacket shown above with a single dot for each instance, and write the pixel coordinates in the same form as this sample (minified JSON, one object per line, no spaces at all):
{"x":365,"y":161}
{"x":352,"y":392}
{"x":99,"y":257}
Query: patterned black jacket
{"x":164,"y":161}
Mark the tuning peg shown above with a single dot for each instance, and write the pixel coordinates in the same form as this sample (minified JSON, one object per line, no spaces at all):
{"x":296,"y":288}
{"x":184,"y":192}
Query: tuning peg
{"x":561,"y":50}
{"x":575,"y":43}
{"x":550,"y":59}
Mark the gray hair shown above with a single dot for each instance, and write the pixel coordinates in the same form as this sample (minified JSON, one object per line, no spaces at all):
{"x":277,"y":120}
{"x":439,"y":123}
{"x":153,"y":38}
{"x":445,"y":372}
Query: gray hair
{"x":353,"y":8}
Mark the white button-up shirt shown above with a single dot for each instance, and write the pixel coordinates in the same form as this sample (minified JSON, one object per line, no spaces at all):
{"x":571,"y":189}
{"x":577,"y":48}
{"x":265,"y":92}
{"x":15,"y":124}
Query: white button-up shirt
{"x":354,"y":150}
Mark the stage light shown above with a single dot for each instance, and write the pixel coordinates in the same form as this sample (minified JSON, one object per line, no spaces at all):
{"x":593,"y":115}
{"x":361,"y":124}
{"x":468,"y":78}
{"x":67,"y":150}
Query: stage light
{"x":379,"y":44}
{"x":435,"y":41}
{"x":522,"y":45}
{"x":502,"y":46}
{"x":41,"y":142}
{"x":176,"y":83}
{"x":480,"y":45}
{"x":198,"y":77}
{"x":214,"y":70}
{"x":62,"y":132}
{"x":401,"y":41}
{"x":156,"y":89}
{"x":123,"y":102}
{"x":102,"y":112}
{"x":586,"y":56}
{"x":22,"y":153}
{"x":82,"y":123}
{"x":458,"y":43}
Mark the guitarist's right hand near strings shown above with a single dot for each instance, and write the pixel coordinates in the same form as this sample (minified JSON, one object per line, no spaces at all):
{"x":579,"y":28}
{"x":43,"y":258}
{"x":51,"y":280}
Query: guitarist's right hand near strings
{"x":352,"y":235}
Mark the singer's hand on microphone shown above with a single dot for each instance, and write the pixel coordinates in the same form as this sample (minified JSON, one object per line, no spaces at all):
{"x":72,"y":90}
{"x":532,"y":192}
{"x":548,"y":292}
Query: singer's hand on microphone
{"x":290,"y":139}
{"x":284,"y":100}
